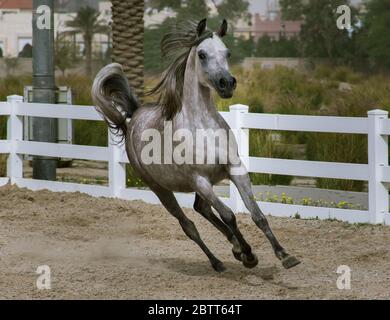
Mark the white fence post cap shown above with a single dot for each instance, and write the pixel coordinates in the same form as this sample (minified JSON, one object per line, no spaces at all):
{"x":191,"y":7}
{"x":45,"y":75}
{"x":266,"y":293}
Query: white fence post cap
{"x":14,"y":98}
{"x":377,"y":112}
{"x":239,"y":107}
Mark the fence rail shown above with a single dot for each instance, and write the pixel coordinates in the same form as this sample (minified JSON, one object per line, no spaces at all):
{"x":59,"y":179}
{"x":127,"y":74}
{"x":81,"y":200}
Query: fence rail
{"x":377,"y":172}
{"x":302,"y":168}
{"x":305,"y":123}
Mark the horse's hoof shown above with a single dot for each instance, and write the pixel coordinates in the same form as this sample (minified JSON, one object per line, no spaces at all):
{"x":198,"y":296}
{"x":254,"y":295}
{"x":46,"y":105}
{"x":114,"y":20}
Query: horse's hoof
{"x":290,"y":261}
{"x":219,"y":267}
{"x":249,"y":263}
{"x":237,"y":255}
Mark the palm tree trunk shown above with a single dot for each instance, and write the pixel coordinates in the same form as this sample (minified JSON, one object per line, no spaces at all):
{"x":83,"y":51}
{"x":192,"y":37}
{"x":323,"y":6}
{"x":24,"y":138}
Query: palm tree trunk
{"x":128,"y":40}
{"x":88,"y":56}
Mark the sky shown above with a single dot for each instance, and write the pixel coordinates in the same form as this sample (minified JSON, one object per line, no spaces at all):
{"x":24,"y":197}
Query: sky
{"x":258,"y":6}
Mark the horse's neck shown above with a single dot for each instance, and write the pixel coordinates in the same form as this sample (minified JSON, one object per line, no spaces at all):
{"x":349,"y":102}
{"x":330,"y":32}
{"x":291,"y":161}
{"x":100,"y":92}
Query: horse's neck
{"x":198,"y":102}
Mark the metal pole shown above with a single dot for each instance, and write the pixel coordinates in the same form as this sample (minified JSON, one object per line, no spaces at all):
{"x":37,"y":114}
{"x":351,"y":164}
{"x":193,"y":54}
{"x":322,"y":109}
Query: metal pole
{"x":44,"y":89}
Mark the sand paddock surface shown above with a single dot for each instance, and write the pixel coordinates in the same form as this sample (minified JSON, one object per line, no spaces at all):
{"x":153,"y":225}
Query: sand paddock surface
{"x":114,"y":249}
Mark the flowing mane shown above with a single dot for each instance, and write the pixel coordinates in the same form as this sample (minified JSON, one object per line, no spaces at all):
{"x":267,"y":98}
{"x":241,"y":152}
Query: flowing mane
{"x":176,"y":46}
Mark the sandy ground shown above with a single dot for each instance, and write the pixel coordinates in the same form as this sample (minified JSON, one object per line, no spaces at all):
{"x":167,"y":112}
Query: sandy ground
{"x":114,"y":249}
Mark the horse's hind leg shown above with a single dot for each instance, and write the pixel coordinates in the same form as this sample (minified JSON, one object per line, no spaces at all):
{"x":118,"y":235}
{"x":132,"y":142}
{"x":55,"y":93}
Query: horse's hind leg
{"x":169,"y":201}
{"x":205,"y":190}
{"x":205,"y":210}
{"x":243,"y":185}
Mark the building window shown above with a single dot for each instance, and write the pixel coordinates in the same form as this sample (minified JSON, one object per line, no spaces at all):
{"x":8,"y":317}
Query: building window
{"x":22,"y":43}
{"x":4,"y":11}
{"x":103,"y":47}
{"x":81,"y":48}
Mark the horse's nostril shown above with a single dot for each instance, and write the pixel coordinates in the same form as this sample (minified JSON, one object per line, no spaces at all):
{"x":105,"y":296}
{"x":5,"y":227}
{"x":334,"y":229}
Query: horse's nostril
{"x":234,"y":82}
{"x":222,"y":83}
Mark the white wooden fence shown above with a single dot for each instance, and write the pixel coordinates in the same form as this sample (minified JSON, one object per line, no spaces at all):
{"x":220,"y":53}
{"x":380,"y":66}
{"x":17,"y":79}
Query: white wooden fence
{"x":376,"y":172}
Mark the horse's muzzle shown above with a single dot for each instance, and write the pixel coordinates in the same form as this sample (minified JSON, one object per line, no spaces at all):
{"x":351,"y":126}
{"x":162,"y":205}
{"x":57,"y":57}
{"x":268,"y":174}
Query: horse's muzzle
{"x":225,"y":86}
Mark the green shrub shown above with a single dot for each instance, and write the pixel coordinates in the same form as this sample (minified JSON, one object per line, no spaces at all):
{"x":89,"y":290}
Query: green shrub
{"x":348,"y":148}
{"x":92,"y":133}
{"x":132,"y":178}
{"x":341,"y":74}
{"x":337,"y":73}
{"x":3,"y":128}
{"x":81,"y":87}
{"x":13,"y":85}
{"x":262,"y":145}
{"x":322,"y":71}
{"x":334,"y":147}
{"x":3,"y":165}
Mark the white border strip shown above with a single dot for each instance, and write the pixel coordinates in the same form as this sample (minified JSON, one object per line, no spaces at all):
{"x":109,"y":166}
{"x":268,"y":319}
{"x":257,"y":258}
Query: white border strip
{"x":35,"y":185}
{"x":4,"y":181}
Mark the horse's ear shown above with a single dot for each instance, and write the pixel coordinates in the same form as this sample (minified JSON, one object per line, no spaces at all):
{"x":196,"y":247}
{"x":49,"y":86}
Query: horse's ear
{"x":223,"y":30}
{"x":201,"y":27}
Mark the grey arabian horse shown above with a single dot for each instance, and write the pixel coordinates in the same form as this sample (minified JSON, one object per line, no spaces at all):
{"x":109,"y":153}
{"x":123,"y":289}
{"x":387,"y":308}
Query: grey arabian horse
{"x":199,"y":64}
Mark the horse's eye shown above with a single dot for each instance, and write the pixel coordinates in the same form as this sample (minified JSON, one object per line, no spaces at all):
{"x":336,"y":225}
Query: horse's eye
{"x":202,"y":56}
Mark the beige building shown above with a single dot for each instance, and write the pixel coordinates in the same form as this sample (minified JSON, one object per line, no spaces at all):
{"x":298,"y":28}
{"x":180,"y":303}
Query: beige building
{"x":16,"y":26}
{"x":274,"y":27}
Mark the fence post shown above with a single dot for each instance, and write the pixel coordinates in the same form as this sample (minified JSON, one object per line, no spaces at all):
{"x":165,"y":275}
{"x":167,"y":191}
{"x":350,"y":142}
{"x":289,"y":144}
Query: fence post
{"x":116,"y":169}
{"x":378,"y":195}
{"x":14,"y":134}
{"x":242,"y":137}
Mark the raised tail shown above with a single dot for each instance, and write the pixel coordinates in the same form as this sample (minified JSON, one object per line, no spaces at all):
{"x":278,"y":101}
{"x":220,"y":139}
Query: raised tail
{"x":113,"y":98}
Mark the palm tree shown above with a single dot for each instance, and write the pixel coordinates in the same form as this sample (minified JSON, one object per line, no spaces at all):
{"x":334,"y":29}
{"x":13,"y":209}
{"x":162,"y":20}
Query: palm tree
{"x":128,"y":40}
{"x":87,"y":23}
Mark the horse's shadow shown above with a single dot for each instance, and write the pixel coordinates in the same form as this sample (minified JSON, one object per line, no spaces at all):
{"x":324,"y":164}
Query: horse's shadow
{"x":235,"y":271}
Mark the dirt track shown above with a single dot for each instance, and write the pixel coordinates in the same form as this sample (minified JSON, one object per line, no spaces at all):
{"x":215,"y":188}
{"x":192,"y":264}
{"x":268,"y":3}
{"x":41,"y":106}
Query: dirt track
{"x":109,"y":249}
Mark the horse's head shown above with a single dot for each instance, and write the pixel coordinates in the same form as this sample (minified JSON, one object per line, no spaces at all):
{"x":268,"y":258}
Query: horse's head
{"x":212,"y":62}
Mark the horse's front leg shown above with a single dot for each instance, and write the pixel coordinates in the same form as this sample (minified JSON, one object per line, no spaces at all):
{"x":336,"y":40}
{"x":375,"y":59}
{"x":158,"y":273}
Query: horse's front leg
{"x":169,"y":201}
{"x":205,"y":190}
{"x":244,"y":187}
{"x":206,"y":211}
